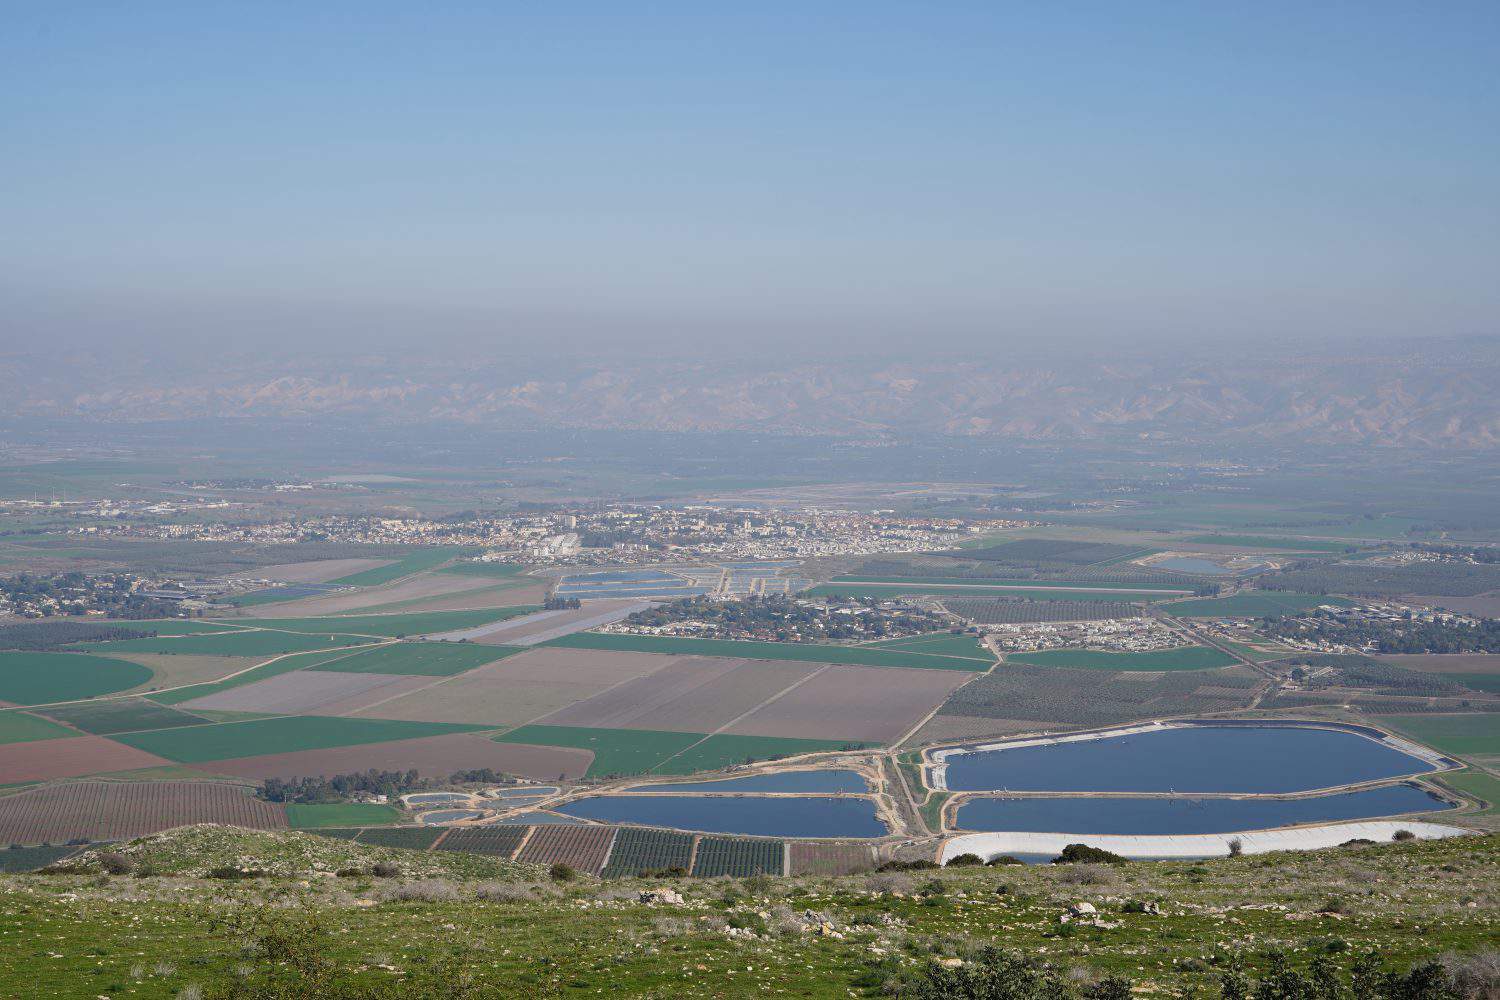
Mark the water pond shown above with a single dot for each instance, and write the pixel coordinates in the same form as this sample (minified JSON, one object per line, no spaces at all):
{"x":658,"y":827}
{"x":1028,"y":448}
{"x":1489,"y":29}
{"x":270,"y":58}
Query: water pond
{"x":436,"y":798}
{"x":630,"y":591}
{"x":517,"y":801}
{"x":1251,"y":759}
{"x":1192,"y":564}
{"x":1143,"y":817}
{"x":538,"y":819}
{"x":830,"y":781}
{"x":450,"y":816}
{"x":619,"y":576}
{"x":521,"y":792}
{"x":760,"y":817}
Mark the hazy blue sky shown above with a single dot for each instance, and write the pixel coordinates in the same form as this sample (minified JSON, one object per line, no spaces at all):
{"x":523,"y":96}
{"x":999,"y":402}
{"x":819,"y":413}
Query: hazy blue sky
{"x":974,"y":171}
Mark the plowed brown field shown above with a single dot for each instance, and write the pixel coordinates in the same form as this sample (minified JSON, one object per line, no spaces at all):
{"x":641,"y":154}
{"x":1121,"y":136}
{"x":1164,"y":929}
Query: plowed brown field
{"x":109,"y":810}
{"x":69,"y":758}
{"x":432,"y":756}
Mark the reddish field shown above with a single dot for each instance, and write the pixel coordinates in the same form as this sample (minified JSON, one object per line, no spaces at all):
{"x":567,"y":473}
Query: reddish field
{"x":875,"y":704}
{"x":704,"y":707}
{"x":619,"y":706}
{"x":549,"y":624}
{"x":109,"y":810}
{"x":319,"y":571}
{"x":432,"y":756}
{"x":309,"y":692}
{"x":413,"y":589}
{"x":583,"y":848}
{"x":69,"y":758}
{"x":690,"y":694}
{"x":520,"y":688}
{"x":830,"y":859}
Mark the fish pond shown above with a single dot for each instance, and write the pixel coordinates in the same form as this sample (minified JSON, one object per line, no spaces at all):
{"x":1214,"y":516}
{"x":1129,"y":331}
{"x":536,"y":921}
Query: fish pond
{"x":449,"y":816}
{"x":1153,"y":816}
{"x":750,"y":816}
{"x":1245,"y":760}
{"x":827,"y":782}
{"x":1194,"y":564}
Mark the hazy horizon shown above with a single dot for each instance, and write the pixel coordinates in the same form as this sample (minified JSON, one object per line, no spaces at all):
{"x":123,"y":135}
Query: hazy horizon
{"x":956,"y":179}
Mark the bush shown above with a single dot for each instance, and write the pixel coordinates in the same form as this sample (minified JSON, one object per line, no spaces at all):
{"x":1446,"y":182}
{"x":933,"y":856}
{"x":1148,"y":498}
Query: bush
{"x":1086,"y":874}
{"x":385,"y":869}
{"x":1321,"y":978}
{"x":964,"y":861}
{"x":116,"y":863}
{"x":1476,"y":975}
{"x":1004,"y":859}
{"x":760,"y":885}
{"x":562,"y":873}
{"x":1403,"y":835}
{"x":1083,"y":853}
{"x":920,"y":865}
{"x":234,"y":873}
{"x":1236,"y":847}
{"x":517,"y":892}
{"x":431,"y":891}
{"x":993,"y":974}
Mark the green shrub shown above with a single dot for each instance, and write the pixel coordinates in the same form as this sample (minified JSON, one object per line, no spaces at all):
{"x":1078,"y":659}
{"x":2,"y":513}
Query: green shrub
{"x":1083,"y":853}
{"x":964,"y":861}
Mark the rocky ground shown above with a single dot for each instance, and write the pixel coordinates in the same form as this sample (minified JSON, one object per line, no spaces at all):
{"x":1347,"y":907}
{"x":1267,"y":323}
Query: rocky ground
{"x":209,"y":911}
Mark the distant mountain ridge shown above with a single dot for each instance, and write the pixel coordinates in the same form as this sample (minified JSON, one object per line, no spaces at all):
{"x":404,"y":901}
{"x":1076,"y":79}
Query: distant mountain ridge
{"x":1437,"y":401}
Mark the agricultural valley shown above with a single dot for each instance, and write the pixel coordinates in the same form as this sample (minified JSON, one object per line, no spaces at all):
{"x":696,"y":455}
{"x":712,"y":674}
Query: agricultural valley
{"x":543,"y":702}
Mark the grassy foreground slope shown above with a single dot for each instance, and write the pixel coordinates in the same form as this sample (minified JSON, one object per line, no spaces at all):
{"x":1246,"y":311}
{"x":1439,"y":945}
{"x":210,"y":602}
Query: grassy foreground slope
{"x":446,"y":925}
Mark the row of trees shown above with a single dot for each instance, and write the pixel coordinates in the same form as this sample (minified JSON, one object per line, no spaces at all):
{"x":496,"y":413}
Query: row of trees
{"x":1409,"y":635}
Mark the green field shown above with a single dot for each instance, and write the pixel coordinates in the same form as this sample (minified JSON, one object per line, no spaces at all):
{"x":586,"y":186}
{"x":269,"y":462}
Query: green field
{"x":388,"y":626}
{"x":281,"y":735}
{"x":271,"y":595}
{"x":878,"y":590}
{"x":1478,"y":784}
{"x":1183,"y":658}
{"x":18,"y":727}
{"x":940,"y":644}
{"x":122,"y":715}
{"x":1456,"y":734}
{"x":39,"y":678}
{"x":489,"y":570}
{"x":424,"y":559}
{"x":310,"y":816}
{"x":1267,"y":542}
{"x":726,"y":749}
{"x":616,"y":751}
{"x":228,"y":644}
{"x":964,"y":581}
{"x":1250,"y":604}
{"x":804,"y":652}
{"x":1476,"y":682}
{"x":282,"y":665}
{"x":643,"y":751}
{"x":429,"y":659}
